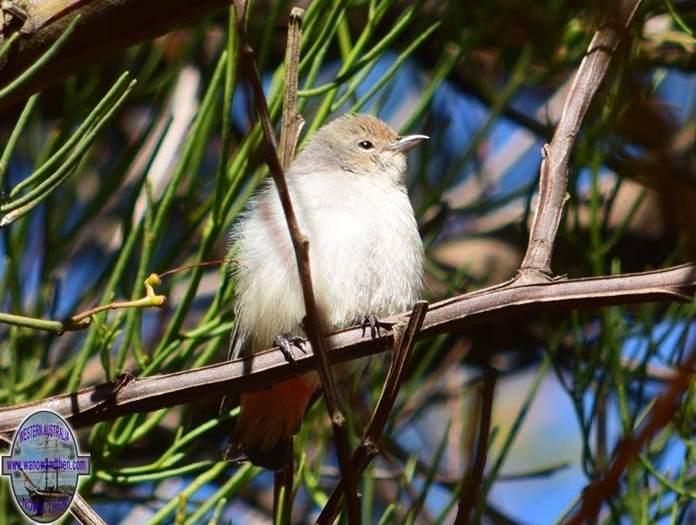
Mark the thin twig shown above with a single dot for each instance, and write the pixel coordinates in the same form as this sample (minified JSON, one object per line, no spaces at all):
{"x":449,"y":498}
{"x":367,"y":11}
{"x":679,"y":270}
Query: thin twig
{"x":404,"y":339}
{"x":601,"y":401}
{"x":393,"y":449}
{"x":215,"y":262}
{"x":628,"y":449}
{"x":292,"y":121}
{"x":300,"y":242}
{"x":150,"y":299}
{"x":84,"y":513}
{"x":553,"y":176}
{"x":282,"y":492}
{"x":289,"y":134}
{"x":82,"y":320}
{"x":472,"y":480}
{"x":101,"y":403}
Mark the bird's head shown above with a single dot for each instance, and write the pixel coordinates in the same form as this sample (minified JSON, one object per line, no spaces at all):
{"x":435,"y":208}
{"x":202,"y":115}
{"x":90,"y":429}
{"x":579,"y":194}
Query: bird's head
{"x":361,"y":145}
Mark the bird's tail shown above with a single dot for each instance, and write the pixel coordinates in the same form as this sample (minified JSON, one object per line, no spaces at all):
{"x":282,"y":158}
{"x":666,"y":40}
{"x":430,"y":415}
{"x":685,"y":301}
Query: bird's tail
{"x":269,"y":418}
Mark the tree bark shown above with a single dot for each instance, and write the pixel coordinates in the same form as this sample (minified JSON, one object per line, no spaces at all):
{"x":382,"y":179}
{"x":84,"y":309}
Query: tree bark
{"x":105,"y":26}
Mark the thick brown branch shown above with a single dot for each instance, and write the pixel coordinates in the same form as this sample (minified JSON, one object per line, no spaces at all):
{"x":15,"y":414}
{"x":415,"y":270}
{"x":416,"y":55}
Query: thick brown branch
{"x":553,"y":177}
{"x":101,"y":402}
{"x":104,"y":27}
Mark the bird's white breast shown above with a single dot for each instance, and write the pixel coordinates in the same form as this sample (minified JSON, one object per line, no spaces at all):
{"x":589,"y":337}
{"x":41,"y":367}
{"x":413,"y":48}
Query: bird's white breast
{"x":365,"y":254}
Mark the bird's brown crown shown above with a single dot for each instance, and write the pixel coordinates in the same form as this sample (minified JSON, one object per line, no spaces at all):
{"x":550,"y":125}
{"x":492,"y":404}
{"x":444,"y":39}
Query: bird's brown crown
{"x":358,"y":126}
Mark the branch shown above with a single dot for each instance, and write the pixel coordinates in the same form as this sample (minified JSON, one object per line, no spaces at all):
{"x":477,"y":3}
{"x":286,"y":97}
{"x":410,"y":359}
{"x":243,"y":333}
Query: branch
{"x":289,"y":134}
{"x":292,"y":121}
{"x":628,"y":449}
{"x":553,"y":177}
{"x":405,"y":335}
{"x":300,"y":243}
{"x":108,"y":400}
{"x":471,"y":484}
{"x":84,"y":513}
{"x":104,"y":27}
{"x":83,"y":319}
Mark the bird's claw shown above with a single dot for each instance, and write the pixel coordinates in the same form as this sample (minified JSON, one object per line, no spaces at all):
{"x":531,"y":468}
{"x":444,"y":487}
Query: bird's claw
{"x":375,"y":325}
{"x":286,"y":342}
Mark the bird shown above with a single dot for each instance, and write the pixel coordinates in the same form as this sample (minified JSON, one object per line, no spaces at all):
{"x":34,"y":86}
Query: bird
{"x":348,"y":189}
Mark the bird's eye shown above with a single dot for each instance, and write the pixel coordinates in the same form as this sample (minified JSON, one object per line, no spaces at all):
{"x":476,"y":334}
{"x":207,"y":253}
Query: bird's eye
{"x":366,"y":144}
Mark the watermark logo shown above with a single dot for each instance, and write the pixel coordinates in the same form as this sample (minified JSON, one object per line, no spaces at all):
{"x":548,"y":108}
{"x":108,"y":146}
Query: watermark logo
{"x":43,"y":466}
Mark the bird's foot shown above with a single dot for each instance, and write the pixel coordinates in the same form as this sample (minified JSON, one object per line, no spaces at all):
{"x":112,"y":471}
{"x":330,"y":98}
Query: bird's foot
{"x":375,"y":325}
{"x":286,"y":342}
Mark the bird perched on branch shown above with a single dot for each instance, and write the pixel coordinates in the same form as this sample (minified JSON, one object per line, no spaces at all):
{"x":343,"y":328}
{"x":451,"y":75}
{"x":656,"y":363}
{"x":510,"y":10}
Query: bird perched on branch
{"x":366,"y":257}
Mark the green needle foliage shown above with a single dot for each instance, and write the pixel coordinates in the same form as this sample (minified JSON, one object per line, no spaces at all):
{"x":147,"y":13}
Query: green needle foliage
{"x":142,"y":163}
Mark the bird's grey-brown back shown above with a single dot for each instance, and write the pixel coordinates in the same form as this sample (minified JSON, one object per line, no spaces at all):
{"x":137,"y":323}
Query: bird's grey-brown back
{"x":347,"y":187}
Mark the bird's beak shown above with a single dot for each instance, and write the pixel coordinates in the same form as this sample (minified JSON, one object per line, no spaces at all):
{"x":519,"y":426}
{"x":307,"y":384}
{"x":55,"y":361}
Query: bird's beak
{"x":407,"y":143}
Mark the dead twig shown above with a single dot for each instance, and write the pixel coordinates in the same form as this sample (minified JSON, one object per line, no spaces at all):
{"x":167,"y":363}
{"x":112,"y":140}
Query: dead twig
{"x":628,"y":449}
{"x":300,"y":242}
{"x":289,"y":134}
{"x":404,"y":339}
{"x":292,"y":121}
{"x":553,"y":176}
{"x":472,"y":480}
{"x":84,"y":513}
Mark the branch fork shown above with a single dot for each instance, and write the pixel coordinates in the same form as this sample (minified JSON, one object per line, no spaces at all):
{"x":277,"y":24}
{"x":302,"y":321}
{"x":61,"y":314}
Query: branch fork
{"x":553,"y":176}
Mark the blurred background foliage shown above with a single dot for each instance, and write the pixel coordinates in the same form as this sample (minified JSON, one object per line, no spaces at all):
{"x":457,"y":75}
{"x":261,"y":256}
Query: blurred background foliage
{"x":110,"y":179}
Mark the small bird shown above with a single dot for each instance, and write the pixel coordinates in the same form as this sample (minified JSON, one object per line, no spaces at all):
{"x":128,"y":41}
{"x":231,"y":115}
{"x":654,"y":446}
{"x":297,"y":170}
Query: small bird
{"x":366,"y":258}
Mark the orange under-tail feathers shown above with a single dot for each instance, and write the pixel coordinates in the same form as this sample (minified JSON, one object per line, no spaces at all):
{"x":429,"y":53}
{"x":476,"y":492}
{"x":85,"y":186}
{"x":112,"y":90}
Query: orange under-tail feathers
{"x":269,"y":418}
